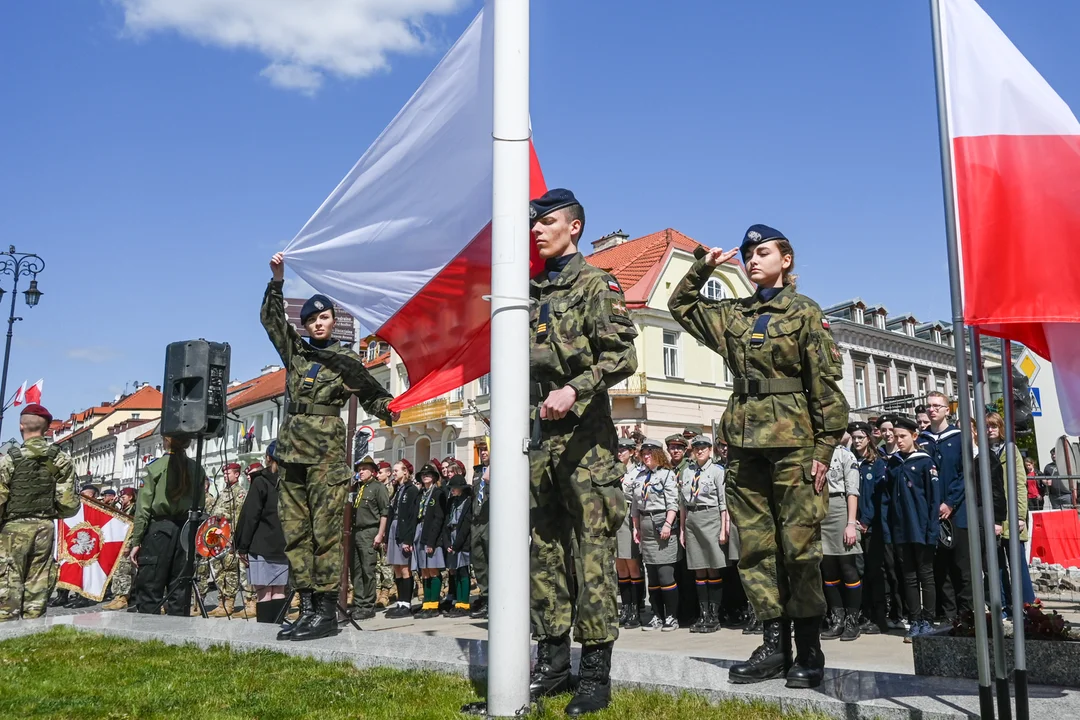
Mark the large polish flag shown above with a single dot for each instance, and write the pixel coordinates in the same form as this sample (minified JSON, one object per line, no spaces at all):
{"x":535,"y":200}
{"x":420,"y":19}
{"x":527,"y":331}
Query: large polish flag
{"x":1016,"y":171}
{"x":404,"y":241}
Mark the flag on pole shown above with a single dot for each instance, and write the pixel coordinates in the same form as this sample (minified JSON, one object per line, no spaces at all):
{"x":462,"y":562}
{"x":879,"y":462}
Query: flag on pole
{"x":20,"y":394}
{"x":33,"y":393}
{"x":89,"y":545}
{"x":1016,"y":177}
{"x":404,"y":241}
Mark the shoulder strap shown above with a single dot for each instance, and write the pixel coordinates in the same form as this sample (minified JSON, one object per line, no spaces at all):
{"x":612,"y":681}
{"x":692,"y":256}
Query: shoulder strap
{"x":16,"y":454}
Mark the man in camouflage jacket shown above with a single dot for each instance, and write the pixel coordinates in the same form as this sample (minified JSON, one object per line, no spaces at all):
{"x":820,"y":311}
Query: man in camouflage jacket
{"x":582,"y":344}
{"x":321,"y":375}
{"x":228,"y":574}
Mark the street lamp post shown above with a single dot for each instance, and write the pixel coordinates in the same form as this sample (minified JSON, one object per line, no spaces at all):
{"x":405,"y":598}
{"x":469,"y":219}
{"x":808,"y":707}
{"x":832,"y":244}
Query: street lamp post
{"x":17,"y":265}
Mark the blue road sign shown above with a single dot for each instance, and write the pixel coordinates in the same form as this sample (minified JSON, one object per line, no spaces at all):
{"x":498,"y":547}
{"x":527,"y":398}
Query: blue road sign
{"x":1036,"y":402}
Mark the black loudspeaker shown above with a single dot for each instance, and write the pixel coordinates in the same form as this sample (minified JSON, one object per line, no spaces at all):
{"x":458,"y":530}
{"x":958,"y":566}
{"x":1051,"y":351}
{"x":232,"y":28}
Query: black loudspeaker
{"x":196,"y":379}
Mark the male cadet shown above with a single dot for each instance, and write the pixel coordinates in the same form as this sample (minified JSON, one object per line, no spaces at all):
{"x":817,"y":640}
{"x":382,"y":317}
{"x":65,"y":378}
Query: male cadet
{"x":227,"y":566}
{"x":676,"y":447}
{"x":582,"y":344}
{"x":108,"y":497}
{"x":37,"y":486}
{"x":124,"y":572}
{"x":479,"y":538}
{"x":952,"y":571}
{"x":370,"y":509}
{"x":384,"y":576}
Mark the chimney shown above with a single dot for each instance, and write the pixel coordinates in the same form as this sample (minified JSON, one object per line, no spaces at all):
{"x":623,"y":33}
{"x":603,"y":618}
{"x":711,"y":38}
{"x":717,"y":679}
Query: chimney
{"x":610,"y":240}
{"x":269,"y":369}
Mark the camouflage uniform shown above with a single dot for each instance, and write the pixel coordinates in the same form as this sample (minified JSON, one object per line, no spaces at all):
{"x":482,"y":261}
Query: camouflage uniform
{"x":582,"y":337}
{"x":202,"y":565}
{"x":312,"y":445}
{"x":228,"y":575}
{"x":125,"y":571}
{"x":786,"y":411}
{"x":37,"y":486}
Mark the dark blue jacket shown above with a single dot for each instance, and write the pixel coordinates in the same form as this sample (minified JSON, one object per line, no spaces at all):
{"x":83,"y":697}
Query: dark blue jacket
{"x":914,"y":499}
{"x":872,"y":489}
{"x":945,"y":449}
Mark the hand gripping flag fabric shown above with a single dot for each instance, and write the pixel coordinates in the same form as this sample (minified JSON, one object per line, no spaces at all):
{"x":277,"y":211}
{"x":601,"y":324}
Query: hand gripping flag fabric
{"x":89,"y":545}
{"x":404,"y":241}
{"x":1016,"y":172}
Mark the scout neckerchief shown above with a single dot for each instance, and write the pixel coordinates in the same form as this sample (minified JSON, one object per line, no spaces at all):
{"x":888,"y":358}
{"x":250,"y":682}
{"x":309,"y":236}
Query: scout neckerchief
{"x":480,"y":492}
{"x":425,"y":501}
{"x":695,"y":484}
{"x":648,"y":489}
{"x":360,"y":495}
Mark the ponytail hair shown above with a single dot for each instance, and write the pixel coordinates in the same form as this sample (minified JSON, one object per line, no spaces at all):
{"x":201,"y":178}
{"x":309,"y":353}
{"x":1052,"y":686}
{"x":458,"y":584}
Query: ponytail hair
{"x":177,"y":475}
{"x":789,"y":277}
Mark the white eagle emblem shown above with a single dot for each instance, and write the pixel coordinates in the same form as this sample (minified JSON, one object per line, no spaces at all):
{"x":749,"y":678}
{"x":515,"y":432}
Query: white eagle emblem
{"x":83,"y":544}
{"x":319,"y":305}
{"x":753,"y":236}
{"x":532,"y":212}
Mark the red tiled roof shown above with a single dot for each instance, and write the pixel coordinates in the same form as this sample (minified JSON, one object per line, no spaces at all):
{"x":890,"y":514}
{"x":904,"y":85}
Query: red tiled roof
{"x":380,"y":360}
{"x":257,"y":389}
{"x":149,"y":432}
{"x":145,"y":398}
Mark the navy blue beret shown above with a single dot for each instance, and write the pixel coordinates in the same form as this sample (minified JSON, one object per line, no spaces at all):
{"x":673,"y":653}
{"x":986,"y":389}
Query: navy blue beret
{"x":271,"y":449}
{"x":906,"y":423}
{"x":549,"y":202}
{"x":315,"y":305}
{"x":757,"y":234}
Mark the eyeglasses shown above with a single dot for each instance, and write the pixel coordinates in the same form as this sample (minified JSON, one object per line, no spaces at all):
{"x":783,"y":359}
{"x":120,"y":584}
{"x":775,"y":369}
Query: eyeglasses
{"x":937,"y":407}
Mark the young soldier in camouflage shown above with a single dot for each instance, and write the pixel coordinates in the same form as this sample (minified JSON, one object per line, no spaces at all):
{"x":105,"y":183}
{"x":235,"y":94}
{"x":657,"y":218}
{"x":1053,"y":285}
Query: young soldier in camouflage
{"x":227,"y":570}
{"x":582,"y":344}
{"x":786,"y":415}
{"x":321,"y":376}
{"x":37,"y":486}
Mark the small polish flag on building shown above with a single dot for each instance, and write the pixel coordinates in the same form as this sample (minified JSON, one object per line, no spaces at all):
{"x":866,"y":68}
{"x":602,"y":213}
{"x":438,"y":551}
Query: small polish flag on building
{"x":1016,"y":174}
{"x":404,"y":241}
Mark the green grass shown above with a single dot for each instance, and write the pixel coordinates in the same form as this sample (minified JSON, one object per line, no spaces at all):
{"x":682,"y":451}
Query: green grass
{"x":66,"y":673}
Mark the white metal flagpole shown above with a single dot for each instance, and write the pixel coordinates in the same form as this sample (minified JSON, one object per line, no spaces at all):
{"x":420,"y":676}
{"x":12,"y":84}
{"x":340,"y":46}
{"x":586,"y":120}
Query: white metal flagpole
{"x":1016,"y":555}
{"x":508,"y":624}
{"x":986,"y":697}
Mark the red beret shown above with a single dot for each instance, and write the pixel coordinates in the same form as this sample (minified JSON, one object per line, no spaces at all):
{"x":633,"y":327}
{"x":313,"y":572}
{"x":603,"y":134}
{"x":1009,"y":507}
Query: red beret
{"x":460,"y":465}
{"x":436,"y":462}
{"x":35,"y":409}
{"x":384,"y":465}
{"x":408,"y":465}
{"x":254,"y":466}
{"x":232,"y":466}
{"x":128,"y":491}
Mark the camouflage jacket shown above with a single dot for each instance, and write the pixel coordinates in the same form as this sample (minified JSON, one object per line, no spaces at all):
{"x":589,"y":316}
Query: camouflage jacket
{"x":66,"y":501}
{"x":582,"y":335}
{"x":337,"y":373}
{"x":796,"y":343}
{"x":228,"y":504}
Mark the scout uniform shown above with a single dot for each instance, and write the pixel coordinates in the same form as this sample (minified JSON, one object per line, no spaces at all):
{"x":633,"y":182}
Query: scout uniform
{"x":457,"y":541}
{"x":402,"y":528}
{"x":431,"y":519}
{"x":786,"y":411}
{"x":656,"y":494}
{"x":839,"y":568}
{"x":311,"y":445}
{"x":631,"y":589}
{"x":37,"y":486}
{"x":384,"y":576}
{"x":702,"y":505}
{"x":678,"y":441}
{"x":582,"y":337}
{"x":370,"y":509}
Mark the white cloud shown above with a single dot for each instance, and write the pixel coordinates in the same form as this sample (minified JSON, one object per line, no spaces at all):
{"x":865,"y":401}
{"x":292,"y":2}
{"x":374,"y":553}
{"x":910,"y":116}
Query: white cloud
{"x":297,"y":288}
{"x":304,"y":40}
{"x":93,"y":354}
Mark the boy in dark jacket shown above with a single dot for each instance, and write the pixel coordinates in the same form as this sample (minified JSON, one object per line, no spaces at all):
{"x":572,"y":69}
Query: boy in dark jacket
{"x":457,"y":540}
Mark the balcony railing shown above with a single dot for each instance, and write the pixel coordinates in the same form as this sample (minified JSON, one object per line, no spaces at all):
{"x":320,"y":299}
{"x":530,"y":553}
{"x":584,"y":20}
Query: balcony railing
{"x":437,"y":409}
{"x":632,"y":386}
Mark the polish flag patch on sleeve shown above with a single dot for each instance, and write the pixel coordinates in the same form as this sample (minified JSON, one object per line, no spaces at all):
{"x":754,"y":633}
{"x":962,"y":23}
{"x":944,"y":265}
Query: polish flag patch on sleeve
{"x":613,"y":284}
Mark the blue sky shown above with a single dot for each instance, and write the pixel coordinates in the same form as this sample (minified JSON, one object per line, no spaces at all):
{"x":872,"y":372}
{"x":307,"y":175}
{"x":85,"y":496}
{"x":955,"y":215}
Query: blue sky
{"x":156,"y":152}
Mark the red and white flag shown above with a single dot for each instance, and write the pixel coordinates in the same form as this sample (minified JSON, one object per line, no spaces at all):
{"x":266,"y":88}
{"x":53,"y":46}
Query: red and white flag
{"x":1016,"y":172}
{"x":88,"y":548}
{"x":404,"y":241}
{"x":20,"y":394}
{"x":33,"y":393}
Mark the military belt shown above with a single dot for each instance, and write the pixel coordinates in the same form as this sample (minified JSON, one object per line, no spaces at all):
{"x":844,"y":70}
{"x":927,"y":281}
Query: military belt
{"x":766,"y":386}
{"x":313,"y":409}
{"x":692,"y":508}
{"x":538,"y":391}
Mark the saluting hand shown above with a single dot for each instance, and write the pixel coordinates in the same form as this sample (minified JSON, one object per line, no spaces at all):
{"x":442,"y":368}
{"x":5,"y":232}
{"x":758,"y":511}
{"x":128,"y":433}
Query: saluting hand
{"x":819,"y":469}
{"x":717,"y":256}
{"x":558,"y":403}
{"x":277,"y":266}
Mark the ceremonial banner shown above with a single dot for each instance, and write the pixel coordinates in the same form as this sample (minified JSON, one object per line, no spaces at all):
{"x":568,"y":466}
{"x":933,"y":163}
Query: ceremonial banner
{"x":1016,"y":171}
{"x":404,"y":242}
{"x":88,"y":546}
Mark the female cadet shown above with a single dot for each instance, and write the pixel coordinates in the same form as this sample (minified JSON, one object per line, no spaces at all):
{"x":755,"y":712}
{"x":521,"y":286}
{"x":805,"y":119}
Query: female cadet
{"x":427,"y":556}
{"x":876,"y":540}
{"x":655,"y":511}
{"x":704,"y":530}
{"x":628,"y":561}
{"x":840,"y":548}
{"x":457,"y":541}
{"x":785,"y":416}
{"x":888,"y":438}
{"x":174,"y":484}
{"x":314,"y":483}
{"x":399,"y":551}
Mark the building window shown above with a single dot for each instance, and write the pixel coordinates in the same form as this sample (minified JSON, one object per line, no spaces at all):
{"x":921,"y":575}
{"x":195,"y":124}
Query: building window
{"x":457,"y":395}
{"x":671,"y":353}
{"x":882,"y":385}
{"x":901,"y":384}
{"x":939,"y":385}
{"x":922,"y":386}
{"x":937,"y":336}
{"x":449,"y":443}
{"x":372,"y":351}
{"x":485,"y":384}
{"x":135,"y":416}
{"x":716,"y":290}
{"x":860,"y":386}
{"x":404,"y":377}
{"x":857,"y":315}
{"x":399,"y":449}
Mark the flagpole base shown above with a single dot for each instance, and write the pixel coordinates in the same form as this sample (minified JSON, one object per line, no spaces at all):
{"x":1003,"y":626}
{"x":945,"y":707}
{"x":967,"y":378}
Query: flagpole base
{"x":480,"y":709}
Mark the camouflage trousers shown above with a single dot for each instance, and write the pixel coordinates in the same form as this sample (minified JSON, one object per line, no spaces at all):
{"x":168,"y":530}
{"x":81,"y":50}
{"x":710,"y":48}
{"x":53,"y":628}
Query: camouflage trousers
{"x":771,"y":498}
{"x":311,"y":505}
{"x":228,"y":574}
{"x":122,"y":575}
{"x":384,"y":576}
{"x":26,"y":567}
{"x":478,"y":558}
{"x":576,"y":508}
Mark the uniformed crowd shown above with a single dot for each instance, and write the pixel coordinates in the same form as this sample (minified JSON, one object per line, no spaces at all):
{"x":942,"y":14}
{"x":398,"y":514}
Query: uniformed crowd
{"x":774,"y":526}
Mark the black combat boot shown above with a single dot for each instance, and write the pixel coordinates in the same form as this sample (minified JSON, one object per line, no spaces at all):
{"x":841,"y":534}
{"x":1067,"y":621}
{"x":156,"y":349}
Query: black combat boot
{"x":712,"y":620}
{"x":633,"y":620}
{"x":594,"y":681}
{"x":753,"y":625}
{"x":771,"y":660}
{"x":551,"y":674}
{"x":323,"y":623}
{"x":809,"y":668}
{"x":307,"y":613}
{"x":703,"y":615}
{"x":852,"y":627}
{"x":834,"y":624}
